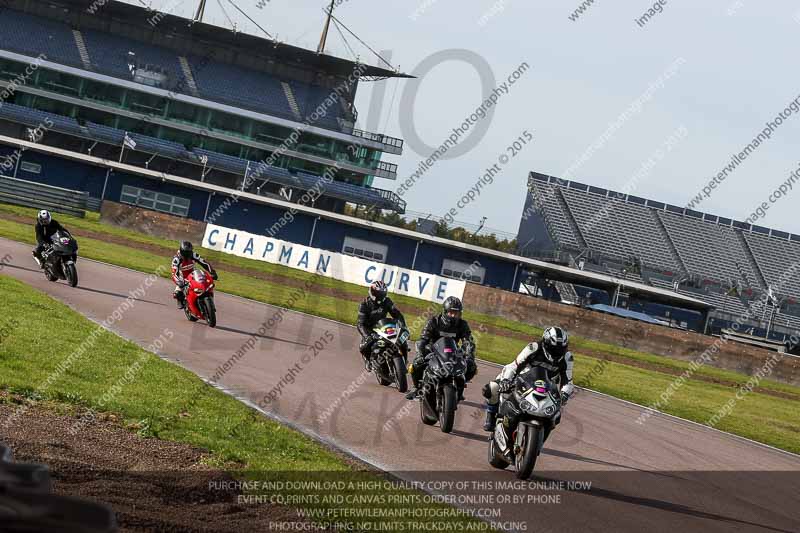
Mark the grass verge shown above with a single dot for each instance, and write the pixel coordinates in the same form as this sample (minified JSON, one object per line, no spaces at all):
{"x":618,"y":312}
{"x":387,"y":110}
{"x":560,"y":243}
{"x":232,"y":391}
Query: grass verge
{"x":634,"y":376}
{"x":38,"y":361}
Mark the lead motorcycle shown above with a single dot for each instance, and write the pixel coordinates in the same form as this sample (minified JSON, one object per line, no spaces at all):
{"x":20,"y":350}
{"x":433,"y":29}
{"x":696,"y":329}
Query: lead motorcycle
{"x":441,"y":384}
{"x":199,"y":291}
{"x":526,"y":416}
{"x":59,"y":257}
{"x":387,"y":361}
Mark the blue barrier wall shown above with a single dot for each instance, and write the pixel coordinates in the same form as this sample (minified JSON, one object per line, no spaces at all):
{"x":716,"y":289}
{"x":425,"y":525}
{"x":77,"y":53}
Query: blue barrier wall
{"x":61,"y":173}
{"x":259,"y":218}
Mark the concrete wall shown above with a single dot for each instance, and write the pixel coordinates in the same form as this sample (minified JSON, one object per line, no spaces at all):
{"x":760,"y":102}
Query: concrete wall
{"x":152,"y":222}
{"x":676,"y":344}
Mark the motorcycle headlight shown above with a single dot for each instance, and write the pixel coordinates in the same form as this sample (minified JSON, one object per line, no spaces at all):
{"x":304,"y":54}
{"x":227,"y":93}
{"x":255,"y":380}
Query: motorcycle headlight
{"x":198,"y":291}
{"x":549,"y":410}
{"x":525,"y":405}
{"x":381,"y":343}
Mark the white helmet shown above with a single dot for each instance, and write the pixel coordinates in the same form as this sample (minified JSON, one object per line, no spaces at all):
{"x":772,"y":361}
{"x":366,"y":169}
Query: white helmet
{"x":555,"y":343}
{"x":44,"y":217}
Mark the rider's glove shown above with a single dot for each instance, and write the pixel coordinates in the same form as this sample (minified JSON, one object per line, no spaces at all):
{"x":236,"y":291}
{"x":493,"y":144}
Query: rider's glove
{"x":504,"y":385}
{"x":567,"y":391}
{"x":214,"y":275}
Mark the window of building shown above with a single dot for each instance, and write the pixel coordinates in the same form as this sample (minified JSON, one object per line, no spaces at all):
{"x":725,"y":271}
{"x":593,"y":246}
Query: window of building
{"x":366,"y":249}
{"x":33,"y":168}
{"x":466,"y":271}
{"x":157,"y":201}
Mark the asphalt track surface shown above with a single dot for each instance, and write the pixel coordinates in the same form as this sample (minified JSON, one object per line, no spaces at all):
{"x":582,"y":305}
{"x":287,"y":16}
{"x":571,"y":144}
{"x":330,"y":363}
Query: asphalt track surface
{"x":664,"y":475}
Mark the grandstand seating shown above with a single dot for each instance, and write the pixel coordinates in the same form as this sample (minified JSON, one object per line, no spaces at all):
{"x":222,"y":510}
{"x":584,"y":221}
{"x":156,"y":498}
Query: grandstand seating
{"x":774,"y":259}
{"x":29,"y":35}
{"x":301,"y":180}
{"x":615,"y":236}
{"x":216,"y":81}
{"x":673,"y":242}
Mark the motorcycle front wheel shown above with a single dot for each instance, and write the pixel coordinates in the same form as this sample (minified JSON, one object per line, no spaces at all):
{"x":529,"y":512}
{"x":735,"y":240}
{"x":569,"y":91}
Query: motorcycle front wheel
{"x":447,"y":411}
{"x":400,"y":374}
{"x":71,"y":273}
{"x":526,"y":458}
{"x":211,"y":312}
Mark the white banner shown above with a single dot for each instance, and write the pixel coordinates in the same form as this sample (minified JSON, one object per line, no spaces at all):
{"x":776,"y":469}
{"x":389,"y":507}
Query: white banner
{"x":334,"y":265}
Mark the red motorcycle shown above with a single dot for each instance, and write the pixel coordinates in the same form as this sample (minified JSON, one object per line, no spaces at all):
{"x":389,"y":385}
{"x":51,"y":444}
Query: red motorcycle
{"x":200,"y":298}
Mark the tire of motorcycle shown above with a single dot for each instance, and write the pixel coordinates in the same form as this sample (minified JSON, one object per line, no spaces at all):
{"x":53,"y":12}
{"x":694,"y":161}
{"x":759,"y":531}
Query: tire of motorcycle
{"x":427,"y":414}
{"x":447,"y":413}
{"x":495,"y":459}
{"x":378,"y":369}
{"x":211,"y":312}
{"x":526,"y":459}
{"x":189,"y":316}
{"x":400,"y":374}
{"x":72,"y":274}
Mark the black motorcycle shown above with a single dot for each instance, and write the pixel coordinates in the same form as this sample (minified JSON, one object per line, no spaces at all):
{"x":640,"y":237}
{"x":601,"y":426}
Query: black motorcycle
{"x":59,"y":257}
{"x":441,"y":384}
{"x":528,"y":413}
{"x":387,"y":361}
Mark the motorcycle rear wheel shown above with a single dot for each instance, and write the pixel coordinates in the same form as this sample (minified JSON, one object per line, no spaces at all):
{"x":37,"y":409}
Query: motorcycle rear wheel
{"x":378,"y":369}
{"x":426,"y":413}
{"x":494,"y":455}
{"x":189,"y":316}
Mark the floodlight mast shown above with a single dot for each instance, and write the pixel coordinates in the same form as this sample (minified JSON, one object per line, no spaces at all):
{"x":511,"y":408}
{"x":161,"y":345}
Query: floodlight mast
{"x":201,"y":9}
{"x":324,"y":37}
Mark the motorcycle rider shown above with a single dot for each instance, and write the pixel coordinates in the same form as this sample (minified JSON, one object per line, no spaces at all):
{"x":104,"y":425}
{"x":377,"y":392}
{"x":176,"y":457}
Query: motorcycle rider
{"x":372,"y":310}
{"x":182,"y":266}
{"x":46,"y":227}
{"x":551,"y":353}
{"x":447,"y":324}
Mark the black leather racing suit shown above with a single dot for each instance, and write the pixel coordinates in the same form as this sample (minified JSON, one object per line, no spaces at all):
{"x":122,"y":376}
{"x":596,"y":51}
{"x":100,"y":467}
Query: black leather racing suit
{"x":435,"y":329}
{"x":44,"y":233}
{"x":370,"y":313}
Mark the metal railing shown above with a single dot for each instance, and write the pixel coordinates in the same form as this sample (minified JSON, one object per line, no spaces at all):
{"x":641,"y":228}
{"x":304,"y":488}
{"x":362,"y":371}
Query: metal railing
{"x":390,"y":142}
{"x":30,"y":194}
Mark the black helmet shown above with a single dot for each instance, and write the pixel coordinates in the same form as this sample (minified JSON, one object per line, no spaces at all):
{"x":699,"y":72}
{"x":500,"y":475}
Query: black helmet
{"x":452,"y":311}
{"x":187,"y":250}
{"x":555,"y":343}
{"x":378,"y":291}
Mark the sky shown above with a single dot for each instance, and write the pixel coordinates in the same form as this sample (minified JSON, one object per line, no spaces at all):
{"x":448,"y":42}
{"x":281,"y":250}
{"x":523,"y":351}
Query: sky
{"x":656,"y":108}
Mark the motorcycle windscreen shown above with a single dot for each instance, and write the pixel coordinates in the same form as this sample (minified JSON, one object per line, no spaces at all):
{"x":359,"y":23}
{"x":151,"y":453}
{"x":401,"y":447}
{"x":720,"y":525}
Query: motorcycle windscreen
{"x":534,"y":379}
{"x":446,"y":348}
{"x":388,"y":327}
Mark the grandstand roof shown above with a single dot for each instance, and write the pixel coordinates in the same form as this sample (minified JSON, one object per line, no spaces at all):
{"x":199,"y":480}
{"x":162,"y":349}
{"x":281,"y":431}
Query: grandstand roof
{"x":136,"y":18}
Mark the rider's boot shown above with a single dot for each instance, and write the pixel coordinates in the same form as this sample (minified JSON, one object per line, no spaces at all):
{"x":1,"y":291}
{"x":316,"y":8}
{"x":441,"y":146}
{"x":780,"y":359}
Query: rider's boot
{"x":412,"y":394}
{"x":491,"y":417}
